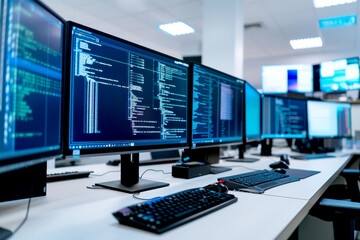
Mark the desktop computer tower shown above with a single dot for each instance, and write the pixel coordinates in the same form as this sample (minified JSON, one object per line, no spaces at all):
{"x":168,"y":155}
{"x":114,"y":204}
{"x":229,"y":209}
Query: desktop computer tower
{"x":23,"y":183}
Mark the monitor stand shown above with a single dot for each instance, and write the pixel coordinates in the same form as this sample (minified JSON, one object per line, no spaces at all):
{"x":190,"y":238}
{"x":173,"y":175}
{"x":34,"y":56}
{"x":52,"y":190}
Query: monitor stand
{"x":4,"y":233}
{"x":266,"y":145}
{"x":241,"y":156}
{"x":129,"y":178}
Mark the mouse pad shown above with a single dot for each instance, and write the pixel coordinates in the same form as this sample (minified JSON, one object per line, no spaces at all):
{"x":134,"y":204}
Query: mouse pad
{"x":299,"y":173}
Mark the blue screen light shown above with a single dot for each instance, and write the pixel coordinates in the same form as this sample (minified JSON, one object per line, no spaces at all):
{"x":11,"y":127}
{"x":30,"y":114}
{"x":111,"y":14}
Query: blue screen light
{"x":337,"y":22}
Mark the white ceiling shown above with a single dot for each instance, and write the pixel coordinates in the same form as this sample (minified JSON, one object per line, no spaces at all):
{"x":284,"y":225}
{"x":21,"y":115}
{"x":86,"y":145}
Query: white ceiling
{"x":283,"y":20}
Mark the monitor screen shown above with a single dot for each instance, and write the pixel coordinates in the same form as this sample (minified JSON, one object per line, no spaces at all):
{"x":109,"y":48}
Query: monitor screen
{"x":339,"y":75}
{"x":252,"y":113}
{"x":284,"y":78}
{"x":217,"y":107}
{"x":329,"y":119}
{"x":30,"y":82}
{"x":283,"y":117}
{"x":123,"y":96}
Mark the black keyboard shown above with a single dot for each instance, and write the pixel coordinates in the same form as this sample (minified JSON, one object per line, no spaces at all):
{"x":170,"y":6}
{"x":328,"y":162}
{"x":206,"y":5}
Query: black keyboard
{"x":164,"y":213}
{"x":54,"y":177}
{"x":257,"y":181}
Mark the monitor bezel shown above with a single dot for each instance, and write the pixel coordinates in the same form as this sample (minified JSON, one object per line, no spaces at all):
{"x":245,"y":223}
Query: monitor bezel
{"x":13,"y":163}
{"x":214,"y":144}
{"x":120,"y":150}
{"x":342,"y":90}
{"x":246,"y":139}
{"x":327,"y":137}
{"x":306,"y":122}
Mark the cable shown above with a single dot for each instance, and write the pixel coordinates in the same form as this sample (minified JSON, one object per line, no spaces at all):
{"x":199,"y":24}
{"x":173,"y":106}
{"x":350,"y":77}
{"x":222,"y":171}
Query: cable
{"x":99,"y":175}
{"x":26,"y":217}
{"x":143,"y":199}
{"x":155,"y":170}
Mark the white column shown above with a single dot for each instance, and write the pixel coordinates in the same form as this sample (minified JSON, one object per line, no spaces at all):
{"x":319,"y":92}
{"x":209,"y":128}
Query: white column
{"x":223,"y":36}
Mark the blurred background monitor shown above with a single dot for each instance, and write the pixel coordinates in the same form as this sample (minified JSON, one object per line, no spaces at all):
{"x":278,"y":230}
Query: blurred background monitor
{"x":328,"y":119}
{"x":339,"y":75}
{"x":217,"y":108}
{"x":283,"y":117}
{"x":252,"y":113}
{"x":278,"y":79}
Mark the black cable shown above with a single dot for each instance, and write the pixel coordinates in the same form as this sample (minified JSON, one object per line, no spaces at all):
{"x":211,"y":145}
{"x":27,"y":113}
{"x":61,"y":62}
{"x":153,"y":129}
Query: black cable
{"x":99,"y":175}
{"x":26,"y":217}
{"x":155,"y":170}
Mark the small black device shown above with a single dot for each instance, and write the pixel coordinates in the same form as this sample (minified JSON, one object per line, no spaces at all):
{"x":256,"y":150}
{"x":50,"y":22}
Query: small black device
{"x":164,"y":213}
{"x":190,"y":170}
{"x":54,"y":177}
{"x":257,"y":181}
{"x":279,"y":164}
{"x":113,"y":162}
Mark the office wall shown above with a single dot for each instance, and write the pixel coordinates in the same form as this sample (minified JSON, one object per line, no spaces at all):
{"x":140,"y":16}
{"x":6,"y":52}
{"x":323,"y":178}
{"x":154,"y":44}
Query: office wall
{"x":252,"y":67}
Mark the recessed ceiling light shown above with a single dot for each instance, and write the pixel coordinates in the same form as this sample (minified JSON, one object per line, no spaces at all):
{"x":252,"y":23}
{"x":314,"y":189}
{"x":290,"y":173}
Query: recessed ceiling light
{"x":176,"y":28}
{"x":330,"y":3}
{"x":338,"y":22}
{"x":306,"y":43}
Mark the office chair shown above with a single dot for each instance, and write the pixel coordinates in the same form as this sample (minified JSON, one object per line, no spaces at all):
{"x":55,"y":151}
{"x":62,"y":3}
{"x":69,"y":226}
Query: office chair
{"x":341,"y":205}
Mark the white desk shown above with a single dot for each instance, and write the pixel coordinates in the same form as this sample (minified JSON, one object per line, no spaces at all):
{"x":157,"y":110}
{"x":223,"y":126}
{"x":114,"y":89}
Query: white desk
{"x":71,"y":211}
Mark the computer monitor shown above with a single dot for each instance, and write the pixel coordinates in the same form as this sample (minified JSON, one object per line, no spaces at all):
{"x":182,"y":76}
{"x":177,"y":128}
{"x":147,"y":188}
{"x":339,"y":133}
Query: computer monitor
{"x":217,"y":108}
{"x":252,"y":113}
{"x":123,"y":98}
{"x":278,"y":79}
{"x":283,"y":117}
{"x":31,"y":67}
{"x":328,"y":119}
{"x":339,"y":75}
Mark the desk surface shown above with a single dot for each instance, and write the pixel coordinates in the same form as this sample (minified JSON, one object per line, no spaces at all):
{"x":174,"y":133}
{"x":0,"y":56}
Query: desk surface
{"x":71,"y":211}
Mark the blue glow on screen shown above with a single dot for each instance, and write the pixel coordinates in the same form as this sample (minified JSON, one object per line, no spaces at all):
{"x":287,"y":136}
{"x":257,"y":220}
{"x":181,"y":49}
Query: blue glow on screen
{"x":339,"y":75}
{"x":337,"y":22}
{"x":252,"y":116}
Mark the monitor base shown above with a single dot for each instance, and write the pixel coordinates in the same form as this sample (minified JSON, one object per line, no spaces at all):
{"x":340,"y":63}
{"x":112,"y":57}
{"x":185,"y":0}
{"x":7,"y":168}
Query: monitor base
{"x":4,"y":233}
{"x":141,"y":186}
{"x":243,"y":160}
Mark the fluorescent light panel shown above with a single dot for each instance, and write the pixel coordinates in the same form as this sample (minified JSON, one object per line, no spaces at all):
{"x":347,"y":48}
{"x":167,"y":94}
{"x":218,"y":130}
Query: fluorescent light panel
{"x":306,"y":43}
{"x":338,"y":22}
{"x":176,"y":28}
{"x":330,"y":3}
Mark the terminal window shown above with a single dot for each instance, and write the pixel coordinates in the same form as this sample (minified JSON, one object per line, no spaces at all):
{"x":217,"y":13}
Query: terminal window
{"x":217,"y":107}
{"x":30,"y":78}
{"x":283,"y":118}
{"x":123,"y":96}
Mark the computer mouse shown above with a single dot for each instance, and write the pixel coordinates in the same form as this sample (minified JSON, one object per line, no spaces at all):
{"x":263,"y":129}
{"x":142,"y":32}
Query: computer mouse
{"x":279,"y":164}
{"x":285,"y":158}
{"x":279,"y":170}
{"x":217,"y":187}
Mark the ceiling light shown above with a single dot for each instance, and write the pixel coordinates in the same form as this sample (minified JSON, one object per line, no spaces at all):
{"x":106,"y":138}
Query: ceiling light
{"x":338,"y":22}
{"x":306,"y":43}
{"x":330,"y":3}
{"x":176,"y":28}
